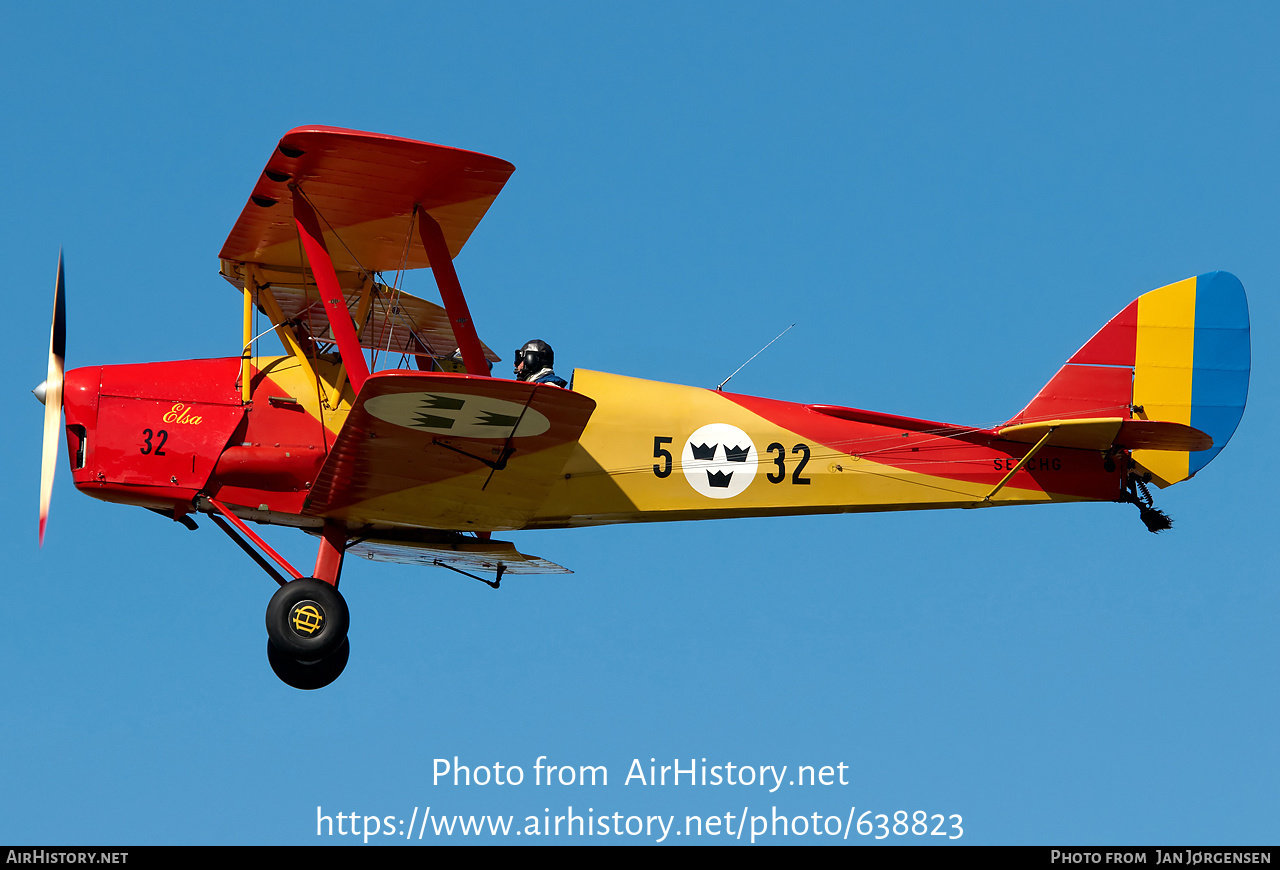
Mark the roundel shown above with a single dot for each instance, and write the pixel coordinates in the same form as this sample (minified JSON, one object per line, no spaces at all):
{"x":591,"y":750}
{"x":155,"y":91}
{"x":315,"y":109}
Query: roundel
{"x":719,"y":460}
{"x":463,"y":414}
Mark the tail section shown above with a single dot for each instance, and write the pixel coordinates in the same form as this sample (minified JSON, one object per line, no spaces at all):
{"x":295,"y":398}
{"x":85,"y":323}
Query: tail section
{"x":1179,"y":354}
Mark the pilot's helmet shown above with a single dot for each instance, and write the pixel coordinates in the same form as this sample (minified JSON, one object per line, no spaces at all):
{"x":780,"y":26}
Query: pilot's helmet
{"x":536,"y":356}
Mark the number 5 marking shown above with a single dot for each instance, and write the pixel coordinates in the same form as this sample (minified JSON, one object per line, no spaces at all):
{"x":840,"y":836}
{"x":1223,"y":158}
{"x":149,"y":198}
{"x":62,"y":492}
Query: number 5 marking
{"x":659,"y":452}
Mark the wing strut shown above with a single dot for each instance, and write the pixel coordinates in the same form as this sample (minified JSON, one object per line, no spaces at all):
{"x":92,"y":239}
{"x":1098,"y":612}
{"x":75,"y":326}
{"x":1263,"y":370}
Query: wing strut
{"x":492,"y":584}
{"x":335,"y":303}
{"x":464,"y":330}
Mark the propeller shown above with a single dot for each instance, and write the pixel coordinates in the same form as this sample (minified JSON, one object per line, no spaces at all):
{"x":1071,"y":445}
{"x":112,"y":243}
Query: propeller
{"x":50,"y":393}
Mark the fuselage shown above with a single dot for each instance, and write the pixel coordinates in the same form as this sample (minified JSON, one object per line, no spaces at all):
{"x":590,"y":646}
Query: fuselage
{"x":164,"y":435}
{"x":159,"y":435}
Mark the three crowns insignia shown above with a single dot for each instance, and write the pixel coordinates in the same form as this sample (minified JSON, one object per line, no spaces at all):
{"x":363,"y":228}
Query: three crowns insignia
{"x":707,"y":453}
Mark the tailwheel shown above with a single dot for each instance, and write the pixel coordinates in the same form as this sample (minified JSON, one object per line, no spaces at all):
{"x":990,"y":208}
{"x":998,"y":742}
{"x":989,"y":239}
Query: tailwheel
{"x":307,"y":620}
{"x":309,"y":675}
{"x":1153,"y":518}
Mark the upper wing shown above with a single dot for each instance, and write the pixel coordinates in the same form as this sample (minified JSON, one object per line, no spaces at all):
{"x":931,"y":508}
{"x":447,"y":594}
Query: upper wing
{"x":365,"y":187}
{"x":366,"y":190}
{"x":446,"y":451}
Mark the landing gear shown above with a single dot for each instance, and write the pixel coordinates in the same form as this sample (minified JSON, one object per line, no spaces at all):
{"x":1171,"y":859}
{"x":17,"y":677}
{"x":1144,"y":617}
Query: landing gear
{"x":307,"y":619}
{"x":307,"y":642}
{"x":1153,"y":518}
{"x":309,"y":675}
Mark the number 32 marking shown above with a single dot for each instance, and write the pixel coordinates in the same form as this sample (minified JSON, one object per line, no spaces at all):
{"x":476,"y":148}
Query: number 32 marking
{"x":147,"y":447}
{"x":780,"y":461}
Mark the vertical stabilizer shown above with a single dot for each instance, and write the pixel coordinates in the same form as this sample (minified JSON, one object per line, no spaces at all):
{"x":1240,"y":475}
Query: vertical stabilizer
{"x":1178,"y":354}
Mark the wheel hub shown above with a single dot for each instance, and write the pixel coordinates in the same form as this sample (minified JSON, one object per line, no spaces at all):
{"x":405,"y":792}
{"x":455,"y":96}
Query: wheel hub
{"x":306,"y":618}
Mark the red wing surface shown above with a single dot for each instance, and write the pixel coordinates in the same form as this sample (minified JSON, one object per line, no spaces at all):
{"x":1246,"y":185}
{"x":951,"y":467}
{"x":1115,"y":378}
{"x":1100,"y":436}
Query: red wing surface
{"x":364,"y":187}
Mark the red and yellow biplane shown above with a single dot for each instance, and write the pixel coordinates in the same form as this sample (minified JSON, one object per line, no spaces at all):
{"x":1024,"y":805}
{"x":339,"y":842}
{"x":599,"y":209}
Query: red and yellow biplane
{"x":422,"y":464}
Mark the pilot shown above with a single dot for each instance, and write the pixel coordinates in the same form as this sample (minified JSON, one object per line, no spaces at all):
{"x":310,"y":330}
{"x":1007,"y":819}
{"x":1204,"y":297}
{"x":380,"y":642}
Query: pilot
{"x":533,"y":364}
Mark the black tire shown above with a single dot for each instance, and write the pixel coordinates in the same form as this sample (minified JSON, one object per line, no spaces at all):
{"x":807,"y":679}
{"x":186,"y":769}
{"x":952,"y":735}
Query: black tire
{"x":312,"y":675}
{"x":307,"y":620}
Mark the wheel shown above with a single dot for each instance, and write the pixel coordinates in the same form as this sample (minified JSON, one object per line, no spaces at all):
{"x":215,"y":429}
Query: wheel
{"x":312,"y":675}
{"x":307,"y":620}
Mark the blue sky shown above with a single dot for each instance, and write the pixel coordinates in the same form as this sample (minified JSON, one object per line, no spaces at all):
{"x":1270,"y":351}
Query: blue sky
{"x":947,"y":199}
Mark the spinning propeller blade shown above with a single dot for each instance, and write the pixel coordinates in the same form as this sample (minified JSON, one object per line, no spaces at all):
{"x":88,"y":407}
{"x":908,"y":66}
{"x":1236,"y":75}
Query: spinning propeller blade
{"x":50,"y":392}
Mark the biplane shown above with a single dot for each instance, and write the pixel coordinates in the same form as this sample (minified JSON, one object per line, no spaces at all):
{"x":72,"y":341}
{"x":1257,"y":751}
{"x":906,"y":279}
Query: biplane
{"x":382,"y":430}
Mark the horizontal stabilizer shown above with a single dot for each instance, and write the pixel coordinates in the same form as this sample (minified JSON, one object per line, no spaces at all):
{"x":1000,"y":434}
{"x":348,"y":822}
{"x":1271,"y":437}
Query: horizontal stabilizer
{"x":1103,"y":433}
